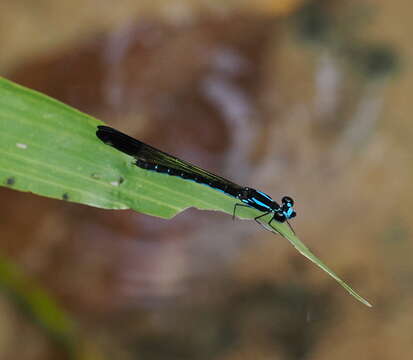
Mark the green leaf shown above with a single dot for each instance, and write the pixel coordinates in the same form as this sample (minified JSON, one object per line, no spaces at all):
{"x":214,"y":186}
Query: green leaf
{"x":287,"y":233}
{"x":51,"y":149}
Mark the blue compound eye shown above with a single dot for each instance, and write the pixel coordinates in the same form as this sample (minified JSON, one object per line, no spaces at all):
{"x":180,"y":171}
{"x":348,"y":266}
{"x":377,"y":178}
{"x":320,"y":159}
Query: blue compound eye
{"x":286,"y":200}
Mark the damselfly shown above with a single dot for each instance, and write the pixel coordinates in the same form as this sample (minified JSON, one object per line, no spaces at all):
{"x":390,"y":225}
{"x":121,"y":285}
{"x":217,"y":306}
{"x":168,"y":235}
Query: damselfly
{"x":149,"y":158}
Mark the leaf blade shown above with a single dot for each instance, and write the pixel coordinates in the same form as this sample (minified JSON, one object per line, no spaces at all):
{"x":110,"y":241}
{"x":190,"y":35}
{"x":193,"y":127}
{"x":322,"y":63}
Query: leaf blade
{"x":50,"y":149}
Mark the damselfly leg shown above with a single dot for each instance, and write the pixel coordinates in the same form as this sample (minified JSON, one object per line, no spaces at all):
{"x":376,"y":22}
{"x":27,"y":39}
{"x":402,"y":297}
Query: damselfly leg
{"x":235,"y":207}
{"x":259,"y":217}
{"x":263,"y":226}
{"x":269,"y":224}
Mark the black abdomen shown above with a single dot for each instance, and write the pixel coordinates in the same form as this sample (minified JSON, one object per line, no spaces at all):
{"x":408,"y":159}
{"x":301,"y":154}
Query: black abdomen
{"x":188,"y":176}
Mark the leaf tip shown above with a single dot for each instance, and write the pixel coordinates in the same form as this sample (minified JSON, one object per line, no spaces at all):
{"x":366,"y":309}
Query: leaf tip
{"x":365,"y":302}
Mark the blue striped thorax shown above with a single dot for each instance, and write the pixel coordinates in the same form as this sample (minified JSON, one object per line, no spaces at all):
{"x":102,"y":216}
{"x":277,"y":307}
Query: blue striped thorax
{"x":263,"y":202}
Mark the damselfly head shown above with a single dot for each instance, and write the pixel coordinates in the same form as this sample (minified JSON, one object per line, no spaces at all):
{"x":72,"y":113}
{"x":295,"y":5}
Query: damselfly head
{"x":287,"y":207}
{"x":286,"y":200}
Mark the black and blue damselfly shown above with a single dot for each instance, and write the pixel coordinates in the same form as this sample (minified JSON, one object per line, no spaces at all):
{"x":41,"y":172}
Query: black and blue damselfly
{"x":149,"y":158}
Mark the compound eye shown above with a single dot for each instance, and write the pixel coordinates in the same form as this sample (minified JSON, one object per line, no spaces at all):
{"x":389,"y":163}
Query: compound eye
{"x":287,"y":200}
{"x":293,"y":214}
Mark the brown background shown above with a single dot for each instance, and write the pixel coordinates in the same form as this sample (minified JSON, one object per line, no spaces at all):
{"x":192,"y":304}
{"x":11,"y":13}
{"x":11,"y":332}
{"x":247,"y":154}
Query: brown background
{"x":310,"y":99}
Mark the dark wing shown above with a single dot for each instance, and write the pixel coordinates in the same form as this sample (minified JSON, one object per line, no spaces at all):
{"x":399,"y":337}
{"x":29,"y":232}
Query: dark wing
{"x":149,"y":154}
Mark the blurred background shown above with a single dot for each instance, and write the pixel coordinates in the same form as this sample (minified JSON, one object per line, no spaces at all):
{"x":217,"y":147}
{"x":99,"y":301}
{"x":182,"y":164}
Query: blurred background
{"x":305,"y":98}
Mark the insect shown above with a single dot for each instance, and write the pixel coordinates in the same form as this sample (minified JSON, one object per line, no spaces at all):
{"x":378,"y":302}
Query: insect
{"x":149,"y":158}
